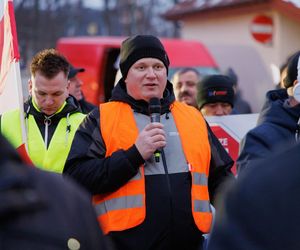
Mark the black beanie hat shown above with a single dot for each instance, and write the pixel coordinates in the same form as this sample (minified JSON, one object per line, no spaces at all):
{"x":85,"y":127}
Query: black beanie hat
{"x":292,"y":72}
{"x":138,"y":47}
{"x":215,"y":88}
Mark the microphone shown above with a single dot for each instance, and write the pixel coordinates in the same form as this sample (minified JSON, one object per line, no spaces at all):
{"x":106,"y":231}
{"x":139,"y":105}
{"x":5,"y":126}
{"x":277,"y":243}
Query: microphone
{"x":154,"y":112}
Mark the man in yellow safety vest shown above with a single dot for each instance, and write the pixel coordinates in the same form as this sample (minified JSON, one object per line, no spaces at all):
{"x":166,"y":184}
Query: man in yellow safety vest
{"x":51,"y":115}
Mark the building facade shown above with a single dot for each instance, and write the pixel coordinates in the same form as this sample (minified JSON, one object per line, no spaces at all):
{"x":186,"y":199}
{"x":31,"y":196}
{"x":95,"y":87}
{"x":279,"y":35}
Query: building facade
{"x":254,"y":37}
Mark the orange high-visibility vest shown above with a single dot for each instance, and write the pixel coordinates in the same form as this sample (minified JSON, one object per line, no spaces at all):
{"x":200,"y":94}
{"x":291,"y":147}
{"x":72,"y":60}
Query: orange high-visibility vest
{"x":126,"y":208}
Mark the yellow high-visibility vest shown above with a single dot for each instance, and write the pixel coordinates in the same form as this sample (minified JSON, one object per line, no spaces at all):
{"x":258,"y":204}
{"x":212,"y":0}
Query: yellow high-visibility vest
{"x":52,"y":158}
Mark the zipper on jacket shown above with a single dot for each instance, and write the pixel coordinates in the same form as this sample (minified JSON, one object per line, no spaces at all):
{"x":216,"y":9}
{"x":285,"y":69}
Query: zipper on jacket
{"x":163,"y":156}
{"x":47,"y":123}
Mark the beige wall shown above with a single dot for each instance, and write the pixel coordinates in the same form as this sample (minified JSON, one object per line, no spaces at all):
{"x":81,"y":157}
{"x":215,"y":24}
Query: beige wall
{"x":288,"y":37}
{"x":229,"y":39}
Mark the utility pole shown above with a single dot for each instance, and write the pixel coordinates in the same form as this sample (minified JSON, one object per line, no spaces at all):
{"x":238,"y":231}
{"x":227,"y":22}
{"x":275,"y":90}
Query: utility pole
{"x":176,"y":24}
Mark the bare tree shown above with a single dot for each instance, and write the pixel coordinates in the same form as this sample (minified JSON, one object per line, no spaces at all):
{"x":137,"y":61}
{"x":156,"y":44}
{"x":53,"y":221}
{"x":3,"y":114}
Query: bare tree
{"x":40,"y":23}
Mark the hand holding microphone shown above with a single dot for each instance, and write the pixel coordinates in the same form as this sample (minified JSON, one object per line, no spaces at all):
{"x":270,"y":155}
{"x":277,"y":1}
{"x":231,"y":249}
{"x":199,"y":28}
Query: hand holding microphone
{"x":154,"y":112}
{"x":152,"y":137}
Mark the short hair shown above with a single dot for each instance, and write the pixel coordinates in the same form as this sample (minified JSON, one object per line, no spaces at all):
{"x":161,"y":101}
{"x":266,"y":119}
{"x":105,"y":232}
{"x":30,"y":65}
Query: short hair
{"x":186,"y":69}
{"x":183,"y":71}
{"x":49,"y":62}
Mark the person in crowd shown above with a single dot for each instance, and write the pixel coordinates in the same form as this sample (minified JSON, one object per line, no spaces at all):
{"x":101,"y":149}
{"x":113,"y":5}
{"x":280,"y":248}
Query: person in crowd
{"x":241,"y":106}
{"x":215,"y":95}
{"x":261,"y":211}
{"x":185,"y":85}
{"x":278,"y":121}
{"x":51,"y":115}
{"x":282,"y":72}
{"x":145,"y":201}
{"x":41,"y":210}
{"x":75,"y":90}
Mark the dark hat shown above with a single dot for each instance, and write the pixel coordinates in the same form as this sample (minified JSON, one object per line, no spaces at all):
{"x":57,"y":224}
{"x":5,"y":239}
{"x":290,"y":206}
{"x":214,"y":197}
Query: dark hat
{"x":215,"y":88}
{"x":73,"y":71}
{"x":138,"y":47}
{"x":292,"y":72}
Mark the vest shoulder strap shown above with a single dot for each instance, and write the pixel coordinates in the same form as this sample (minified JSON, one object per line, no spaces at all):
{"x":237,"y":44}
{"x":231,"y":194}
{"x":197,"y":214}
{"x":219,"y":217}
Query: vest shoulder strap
{"x":117,"y":125}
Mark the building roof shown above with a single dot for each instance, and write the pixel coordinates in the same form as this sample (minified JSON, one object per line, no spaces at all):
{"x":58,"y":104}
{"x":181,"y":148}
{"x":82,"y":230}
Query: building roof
{"x":189,"y":8}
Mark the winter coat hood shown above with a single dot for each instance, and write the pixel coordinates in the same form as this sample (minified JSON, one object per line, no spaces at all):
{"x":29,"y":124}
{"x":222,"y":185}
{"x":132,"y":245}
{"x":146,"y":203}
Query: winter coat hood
{"x":277,"y":111}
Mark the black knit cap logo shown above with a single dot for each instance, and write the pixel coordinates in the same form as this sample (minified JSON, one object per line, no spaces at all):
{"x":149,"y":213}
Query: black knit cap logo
{"x":215,"y":88}
{"x":138,"y":47}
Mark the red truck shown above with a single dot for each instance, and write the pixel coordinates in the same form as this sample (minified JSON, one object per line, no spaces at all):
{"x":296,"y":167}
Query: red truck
{"x":98,"y":55}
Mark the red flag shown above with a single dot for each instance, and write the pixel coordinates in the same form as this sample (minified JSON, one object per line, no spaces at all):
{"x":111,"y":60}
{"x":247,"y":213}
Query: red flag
{"x":11,"y":94}
{"x":23,"y":153}
{"x":8,"y":40}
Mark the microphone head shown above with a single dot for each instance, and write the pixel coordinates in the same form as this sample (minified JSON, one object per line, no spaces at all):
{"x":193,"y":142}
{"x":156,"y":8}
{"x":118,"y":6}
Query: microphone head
{"x":154,"y":105}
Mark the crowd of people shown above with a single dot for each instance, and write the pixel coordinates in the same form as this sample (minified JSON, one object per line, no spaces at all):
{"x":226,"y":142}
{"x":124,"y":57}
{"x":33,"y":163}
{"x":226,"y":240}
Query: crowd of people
{"x":132,"y":173}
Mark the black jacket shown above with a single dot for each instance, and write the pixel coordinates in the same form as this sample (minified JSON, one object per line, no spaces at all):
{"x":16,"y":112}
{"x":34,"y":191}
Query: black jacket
{"x":40,"y":210}
{"x":240,"y":106}
{"x":88,"y":165}
{"x":261,"y":211}
{"x":72,"y":106}
{"x":86,"y":107}
{"x":276,"y":128}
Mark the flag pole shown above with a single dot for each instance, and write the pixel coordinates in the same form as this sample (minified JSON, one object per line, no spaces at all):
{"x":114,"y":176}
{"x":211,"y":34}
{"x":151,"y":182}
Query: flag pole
{"x":11,"y":84}
{"x":16,"y":69}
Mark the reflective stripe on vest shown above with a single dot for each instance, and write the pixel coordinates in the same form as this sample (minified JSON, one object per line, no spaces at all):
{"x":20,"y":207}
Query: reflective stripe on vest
{"x":132,"y":201}
{"x":194,"y":138}
{"x":52,"y":158}
{"x":125,"y":208}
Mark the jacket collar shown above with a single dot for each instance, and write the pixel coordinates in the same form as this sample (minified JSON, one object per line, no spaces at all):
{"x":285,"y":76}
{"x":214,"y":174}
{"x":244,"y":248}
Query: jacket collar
{"x":119,"y":93}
